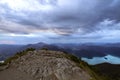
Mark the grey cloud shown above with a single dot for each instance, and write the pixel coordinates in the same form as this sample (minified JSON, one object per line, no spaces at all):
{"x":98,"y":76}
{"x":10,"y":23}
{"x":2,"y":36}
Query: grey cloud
{"x":66,"y":19}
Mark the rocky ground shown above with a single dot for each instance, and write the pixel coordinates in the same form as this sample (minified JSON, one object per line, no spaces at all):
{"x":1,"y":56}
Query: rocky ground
{"x":43,"y":65}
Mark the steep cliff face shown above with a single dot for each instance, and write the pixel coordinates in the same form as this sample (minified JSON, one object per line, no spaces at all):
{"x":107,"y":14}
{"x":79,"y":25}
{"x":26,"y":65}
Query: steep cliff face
{"x":44,"y":65}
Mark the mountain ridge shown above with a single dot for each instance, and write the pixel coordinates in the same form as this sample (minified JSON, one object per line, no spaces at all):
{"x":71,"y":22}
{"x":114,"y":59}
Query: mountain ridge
{"x":46,"y":65}
{"x":80,"y":50}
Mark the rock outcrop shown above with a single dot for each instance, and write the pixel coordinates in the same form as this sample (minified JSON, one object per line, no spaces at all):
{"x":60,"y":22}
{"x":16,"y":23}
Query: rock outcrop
{"x":44,"y":65}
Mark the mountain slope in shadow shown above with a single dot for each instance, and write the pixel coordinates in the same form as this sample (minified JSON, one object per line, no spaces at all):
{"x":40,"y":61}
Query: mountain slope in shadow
{"x":108,"y":70}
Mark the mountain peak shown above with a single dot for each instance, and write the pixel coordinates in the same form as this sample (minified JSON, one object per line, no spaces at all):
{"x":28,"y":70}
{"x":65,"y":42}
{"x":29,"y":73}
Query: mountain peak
{"x":41,"y":43}
{"x":44,"y":65}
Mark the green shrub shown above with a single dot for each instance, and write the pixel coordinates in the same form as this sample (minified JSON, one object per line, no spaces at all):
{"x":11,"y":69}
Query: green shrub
{"x":1,"y":64}
{"x":44,"y":48}
{"x":30,"y":49}
{"x":18,"y":54}
{"x":73,"y":58}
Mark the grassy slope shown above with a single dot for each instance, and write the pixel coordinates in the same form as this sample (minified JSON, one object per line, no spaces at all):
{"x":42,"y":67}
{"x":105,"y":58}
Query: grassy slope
{"x":17,"y":55}
{"x":86,"y":67}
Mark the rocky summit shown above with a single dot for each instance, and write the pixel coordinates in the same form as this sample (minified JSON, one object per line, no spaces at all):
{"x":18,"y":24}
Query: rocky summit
{"x":43,"y":65}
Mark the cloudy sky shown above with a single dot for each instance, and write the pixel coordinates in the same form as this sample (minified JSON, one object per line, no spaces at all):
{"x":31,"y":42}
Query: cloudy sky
{"x":59,"y":21}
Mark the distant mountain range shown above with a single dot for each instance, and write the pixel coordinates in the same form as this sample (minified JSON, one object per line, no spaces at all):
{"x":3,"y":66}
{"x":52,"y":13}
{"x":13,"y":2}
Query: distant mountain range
{"x":88,"y":50}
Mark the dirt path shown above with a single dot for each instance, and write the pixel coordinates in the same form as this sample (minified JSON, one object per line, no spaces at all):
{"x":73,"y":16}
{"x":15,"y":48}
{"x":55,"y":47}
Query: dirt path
{"x":13,"y":74}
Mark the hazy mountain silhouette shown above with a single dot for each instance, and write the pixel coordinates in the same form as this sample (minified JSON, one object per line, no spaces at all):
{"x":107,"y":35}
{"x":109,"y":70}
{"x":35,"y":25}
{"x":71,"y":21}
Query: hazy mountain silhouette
{"x":80,"y":50}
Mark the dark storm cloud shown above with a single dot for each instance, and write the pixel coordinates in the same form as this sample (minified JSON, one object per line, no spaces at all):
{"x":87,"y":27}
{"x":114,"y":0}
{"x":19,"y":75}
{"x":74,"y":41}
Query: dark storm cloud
{"x":70,"y":19}
{"x":68,"y":16}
